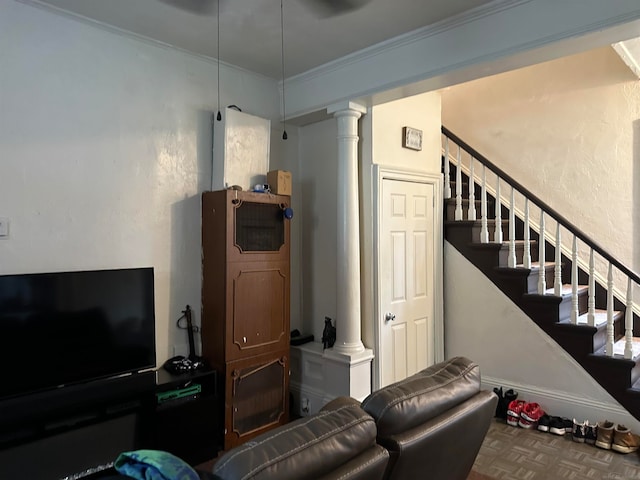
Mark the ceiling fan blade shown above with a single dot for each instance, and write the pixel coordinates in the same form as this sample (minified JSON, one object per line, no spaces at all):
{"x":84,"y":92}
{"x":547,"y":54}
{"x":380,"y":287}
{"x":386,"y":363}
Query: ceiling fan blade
{"x":332,"y":8}
{"x":199,"y":7}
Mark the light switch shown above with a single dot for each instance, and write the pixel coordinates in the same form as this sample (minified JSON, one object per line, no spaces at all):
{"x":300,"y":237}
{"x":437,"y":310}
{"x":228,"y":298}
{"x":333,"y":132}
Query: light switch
{"x":4,"y":227}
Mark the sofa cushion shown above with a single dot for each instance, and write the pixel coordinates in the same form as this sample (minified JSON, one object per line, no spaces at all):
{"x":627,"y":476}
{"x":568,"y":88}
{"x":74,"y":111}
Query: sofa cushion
{"x":414,"y":400}
{"x":309,"y":447}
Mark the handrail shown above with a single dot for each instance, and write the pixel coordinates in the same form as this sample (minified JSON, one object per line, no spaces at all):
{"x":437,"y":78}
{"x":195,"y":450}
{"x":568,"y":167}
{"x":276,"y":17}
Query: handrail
{"x":557,"y":216}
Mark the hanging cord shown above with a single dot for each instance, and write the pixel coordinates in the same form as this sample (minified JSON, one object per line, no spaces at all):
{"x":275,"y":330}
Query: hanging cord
{"x":284,"y":110}
{"x":219,"y":117}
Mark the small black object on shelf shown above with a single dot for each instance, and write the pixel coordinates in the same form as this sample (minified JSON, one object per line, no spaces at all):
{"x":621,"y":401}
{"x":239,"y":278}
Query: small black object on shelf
{"x":298,"y":338}
{"x":328,"y":334}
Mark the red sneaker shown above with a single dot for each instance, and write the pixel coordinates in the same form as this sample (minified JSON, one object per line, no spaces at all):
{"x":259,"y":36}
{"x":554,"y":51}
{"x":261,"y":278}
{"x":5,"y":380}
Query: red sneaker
{"x":513,"y":412}
{"x":529,"y":415}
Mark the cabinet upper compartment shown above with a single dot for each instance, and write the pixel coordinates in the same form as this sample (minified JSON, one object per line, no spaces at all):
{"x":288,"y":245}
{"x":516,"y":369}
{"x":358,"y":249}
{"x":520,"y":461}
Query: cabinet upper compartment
{"x":246,"y":225}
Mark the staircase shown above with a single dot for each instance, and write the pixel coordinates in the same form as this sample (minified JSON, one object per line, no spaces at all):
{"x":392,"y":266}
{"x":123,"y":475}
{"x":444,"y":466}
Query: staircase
{"x":546,"y":266}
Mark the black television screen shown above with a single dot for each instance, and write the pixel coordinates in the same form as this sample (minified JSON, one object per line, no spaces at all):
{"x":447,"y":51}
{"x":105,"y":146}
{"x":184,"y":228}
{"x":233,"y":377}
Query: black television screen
{"x":64,"y":328}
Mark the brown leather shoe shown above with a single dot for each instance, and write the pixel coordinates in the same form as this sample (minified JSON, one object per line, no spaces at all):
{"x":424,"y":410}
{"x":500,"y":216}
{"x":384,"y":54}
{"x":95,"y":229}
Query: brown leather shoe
{"x":604,"y":437}
{"x":624,"y":441}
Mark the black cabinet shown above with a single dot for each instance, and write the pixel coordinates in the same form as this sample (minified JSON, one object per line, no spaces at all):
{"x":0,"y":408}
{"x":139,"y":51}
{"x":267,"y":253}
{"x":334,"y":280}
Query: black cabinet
{"x":83,"y":428}
{"x":186,"y":416}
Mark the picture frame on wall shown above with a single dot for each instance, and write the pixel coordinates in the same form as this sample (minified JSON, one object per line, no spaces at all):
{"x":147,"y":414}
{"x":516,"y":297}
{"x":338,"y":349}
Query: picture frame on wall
{"x":411,"y":138}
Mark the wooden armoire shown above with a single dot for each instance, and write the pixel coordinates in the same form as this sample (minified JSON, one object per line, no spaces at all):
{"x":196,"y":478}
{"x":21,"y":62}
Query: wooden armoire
{"x":245,"y":307}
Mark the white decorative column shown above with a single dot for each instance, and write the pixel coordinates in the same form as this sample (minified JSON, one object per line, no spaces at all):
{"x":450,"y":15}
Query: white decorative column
{"x":349,"y":362}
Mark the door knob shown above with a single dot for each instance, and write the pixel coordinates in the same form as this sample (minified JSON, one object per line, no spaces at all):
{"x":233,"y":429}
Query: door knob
{"x":389,"y":317}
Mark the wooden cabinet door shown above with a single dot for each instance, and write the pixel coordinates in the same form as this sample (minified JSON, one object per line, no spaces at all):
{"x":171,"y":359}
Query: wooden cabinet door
{"x":256,"y":396}
{"x":258,"y":308}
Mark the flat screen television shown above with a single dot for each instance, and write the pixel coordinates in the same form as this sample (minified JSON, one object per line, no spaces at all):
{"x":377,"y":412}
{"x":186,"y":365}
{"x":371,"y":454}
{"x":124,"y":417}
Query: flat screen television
{"x":64,"y":328}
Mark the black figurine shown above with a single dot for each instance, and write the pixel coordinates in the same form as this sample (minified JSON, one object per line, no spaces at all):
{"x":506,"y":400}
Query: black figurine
{"x":328,"y":334}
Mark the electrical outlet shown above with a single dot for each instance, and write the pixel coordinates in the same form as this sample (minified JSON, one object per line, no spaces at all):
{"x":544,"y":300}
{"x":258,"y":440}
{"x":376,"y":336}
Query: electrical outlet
{"x":4,"y":227}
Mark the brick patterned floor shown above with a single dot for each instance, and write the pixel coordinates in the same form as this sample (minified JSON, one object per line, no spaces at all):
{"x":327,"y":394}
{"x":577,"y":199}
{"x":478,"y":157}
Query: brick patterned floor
{"x":512,"y":453}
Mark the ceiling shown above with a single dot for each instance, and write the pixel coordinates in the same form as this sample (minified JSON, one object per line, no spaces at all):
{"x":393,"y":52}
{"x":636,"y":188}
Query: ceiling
{"x":250,"y":33}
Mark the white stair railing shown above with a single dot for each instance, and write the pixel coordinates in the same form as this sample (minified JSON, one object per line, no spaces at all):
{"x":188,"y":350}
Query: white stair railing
{"x":542,"y":281}
{"x":591,"y":302}
{"x":557,"y":277}
{"x":609,"y":347}
{"x":574,"y":281}
{"x":628,"y":322}
{"x":471,"y":211}
{"x":458,"y":214}
{"x":484,"y":229}
{"x":512,"y":231}
{"x":497,"y":233}
{"x":526,"y":257}
{"x":447,"y":174}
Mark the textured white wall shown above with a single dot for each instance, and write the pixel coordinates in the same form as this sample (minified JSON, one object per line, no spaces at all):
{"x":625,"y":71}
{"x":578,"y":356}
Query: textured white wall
{"x":421,"y":112}
{"x":105,"y":148}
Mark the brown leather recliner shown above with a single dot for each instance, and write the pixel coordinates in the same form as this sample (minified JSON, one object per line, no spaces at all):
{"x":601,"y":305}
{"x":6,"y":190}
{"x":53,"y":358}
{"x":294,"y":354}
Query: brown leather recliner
{"x":339,"y":442}
{"x":433,"y":423}
{"x":430,"y":425}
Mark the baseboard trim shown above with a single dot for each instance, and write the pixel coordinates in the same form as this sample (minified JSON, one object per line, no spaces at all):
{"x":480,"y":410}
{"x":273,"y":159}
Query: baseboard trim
{"x":564,"y":404}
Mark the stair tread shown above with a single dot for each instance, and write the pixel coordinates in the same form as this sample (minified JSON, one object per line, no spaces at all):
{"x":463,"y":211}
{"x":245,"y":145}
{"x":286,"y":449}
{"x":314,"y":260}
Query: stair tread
{"x":600,"y":317}
{"x":535,"y":266}
{"x":567,"y":290}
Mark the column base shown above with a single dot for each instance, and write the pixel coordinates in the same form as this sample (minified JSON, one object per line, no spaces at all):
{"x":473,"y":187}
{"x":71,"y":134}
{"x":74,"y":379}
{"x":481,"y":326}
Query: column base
{"x":349,"y":374}
{"x":318,"y":376}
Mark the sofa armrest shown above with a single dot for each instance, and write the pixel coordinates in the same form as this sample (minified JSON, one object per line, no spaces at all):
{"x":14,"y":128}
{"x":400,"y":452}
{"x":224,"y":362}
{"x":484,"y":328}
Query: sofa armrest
{"x":422,"y":396}
{"x":308,"y":448}
{"x":446,"y":445}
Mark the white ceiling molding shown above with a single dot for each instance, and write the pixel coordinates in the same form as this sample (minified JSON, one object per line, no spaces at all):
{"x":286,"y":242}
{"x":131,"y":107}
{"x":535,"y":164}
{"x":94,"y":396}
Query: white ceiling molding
{"x":629,"y":52}
{"x":469,"y":48}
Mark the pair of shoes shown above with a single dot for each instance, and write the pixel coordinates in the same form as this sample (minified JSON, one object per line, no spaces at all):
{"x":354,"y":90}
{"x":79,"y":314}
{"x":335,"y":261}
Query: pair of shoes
{"x":513,"y":412}
{"x":619,"y":439}
{"x":624,"y":441}
{"x":504,"y":401}
{"x":530,"y":415}
{"x":523,"y":414}
{"x":584,"y":432}
{"x":555,"y":425}
{"x":544,"y":423}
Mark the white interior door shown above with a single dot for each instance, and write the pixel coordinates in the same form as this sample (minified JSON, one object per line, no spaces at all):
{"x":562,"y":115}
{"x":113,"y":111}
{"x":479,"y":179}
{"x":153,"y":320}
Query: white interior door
{"x":407,"y":243}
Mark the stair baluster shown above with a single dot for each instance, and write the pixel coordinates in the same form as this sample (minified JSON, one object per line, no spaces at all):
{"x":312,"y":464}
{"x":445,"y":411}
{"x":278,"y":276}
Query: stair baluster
{"x":484,"y":230}
{"x":628,"y":322}
{"x":557,"y":278}
{"x":512,"y":230}
{"x":609,"y":347}
{"x":591,"y":311}
{"x":526,"y":257}
{"x":497,"y":234}
{"x":542,"y":282}
{"x":458,"y":214}
{"x":447,"y":173}
{"x":574,"y":281}
{"x":471,"y":212}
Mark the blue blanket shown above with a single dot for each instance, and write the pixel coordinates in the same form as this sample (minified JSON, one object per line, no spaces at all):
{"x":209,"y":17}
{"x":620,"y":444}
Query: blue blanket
{"x":154,"y":465}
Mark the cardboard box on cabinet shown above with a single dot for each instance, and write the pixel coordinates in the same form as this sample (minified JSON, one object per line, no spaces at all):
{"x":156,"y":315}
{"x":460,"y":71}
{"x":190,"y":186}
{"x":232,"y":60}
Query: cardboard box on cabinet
{"x":279,"y":181}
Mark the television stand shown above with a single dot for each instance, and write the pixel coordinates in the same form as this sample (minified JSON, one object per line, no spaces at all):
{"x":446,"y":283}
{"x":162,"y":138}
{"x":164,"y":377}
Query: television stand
{"x":87,"y":427}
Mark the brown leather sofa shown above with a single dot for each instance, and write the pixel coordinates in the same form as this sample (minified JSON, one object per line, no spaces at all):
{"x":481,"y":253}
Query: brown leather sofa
{"x":430,"y":425}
